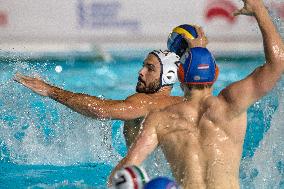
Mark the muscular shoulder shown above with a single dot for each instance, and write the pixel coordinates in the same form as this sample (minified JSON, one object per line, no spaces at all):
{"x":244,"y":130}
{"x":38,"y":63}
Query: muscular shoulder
{"x":213,"y":101}
{"x":215,"y":108}
{"x":152,"y":119}
{"x":172,"y":112}
{"x":138,"y":96}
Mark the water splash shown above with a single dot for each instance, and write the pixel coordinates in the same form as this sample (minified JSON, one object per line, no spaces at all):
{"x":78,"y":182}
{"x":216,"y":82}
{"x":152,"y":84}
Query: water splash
{"x":36,"y":130}
{"x":157,"y":165}
{"x":269,"y":158}
{"x":266,"y":168}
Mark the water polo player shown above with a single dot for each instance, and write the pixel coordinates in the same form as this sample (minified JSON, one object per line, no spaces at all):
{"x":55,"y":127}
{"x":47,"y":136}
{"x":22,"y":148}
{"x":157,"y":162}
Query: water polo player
{"x":153,"y":93}
{"x":202,"y":137}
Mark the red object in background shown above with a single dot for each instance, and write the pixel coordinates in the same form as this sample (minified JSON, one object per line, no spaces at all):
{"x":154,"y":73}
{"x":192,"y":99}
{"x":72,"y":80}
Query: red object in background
{"x":222,"y":9}
{"x":3,"y":19}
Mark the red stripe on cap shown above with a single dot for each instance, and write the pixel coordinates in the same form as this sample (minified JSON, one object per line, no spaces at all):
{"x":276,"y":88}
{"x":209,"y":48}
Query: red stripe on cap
{"x":203,"y":66}
{"x":135,"y":182}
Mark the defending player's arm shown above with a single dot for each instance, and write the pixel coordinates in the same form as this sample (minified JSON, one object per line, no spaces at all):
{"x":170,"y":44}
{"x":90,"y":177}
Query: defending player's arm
{"x":240,"y":95}
{"x":133,"y":107}
{"x":145,"y":143}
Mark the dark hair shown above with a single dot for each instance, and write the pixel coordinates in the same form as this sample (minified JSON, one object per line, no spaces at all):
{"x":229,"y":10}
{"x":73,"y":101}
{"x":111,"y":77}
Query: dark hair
{"x":199,"y":86}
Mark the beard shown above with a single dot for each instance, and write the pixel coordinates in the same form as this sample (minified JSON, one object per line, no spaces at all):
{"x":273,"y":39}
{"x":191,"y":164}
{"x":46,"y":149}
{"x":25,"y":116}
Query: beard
{"x":152,"y":88}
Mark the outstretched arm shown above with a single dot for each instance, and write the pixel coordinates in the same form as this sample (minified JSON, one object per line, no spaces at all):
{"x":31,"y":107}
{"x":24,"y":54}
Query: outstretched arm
{"x":240,"y":95}
{"x":145,"y":143}
{"x":133,"y":107}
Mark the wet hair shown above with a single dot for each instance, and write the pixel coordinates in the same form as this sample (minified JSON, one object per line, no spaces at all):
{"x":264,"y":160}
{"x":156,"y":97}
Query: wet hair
{"x":199,"y":86}
{"x":191,"y":87}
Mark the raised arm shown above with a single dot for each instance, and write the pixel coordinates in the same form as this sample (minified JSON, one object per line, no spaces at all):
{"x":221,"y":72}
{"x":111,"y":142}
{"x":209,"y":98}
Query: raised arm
{"x":240,"y":95}
{"x":134,"y":106}
{"x":145,"y":143}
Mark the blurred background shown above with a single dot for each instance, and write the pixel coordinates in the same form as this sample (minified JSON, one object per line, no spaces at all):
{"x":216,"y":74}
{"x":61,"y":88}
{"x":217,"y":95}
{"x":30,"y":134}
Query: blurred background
{"x":96,"y":46}
{"x":106,"y":25}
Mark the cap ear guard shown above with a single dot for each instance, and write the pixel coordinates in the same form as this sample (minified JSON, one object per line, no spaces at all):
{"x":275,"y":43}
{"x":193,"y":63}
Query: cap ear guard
{"x":169,"y":64}
{"x":181,"y":70}
{"x":181,"y":73}
{"x":169,"y":78}
{"x":216,"y":72}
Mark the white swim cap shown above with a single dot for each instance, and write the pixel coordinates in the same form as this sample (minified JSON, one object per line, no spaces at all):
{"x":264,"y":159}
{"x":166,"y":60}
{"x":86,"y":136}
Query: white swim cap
{"x":130,"y":177}
{"x":169,"y":65}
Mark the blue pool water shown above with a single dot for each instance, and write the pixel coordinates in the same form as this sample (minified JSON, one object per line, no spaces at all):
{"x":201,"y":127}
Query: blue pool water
{"x":43,"y":144}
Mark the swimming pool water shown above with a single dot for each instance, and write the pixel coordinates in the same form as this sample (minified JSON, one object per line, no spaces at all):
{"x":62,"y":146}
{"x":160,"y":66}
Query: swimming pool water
{"x":43,"y":144}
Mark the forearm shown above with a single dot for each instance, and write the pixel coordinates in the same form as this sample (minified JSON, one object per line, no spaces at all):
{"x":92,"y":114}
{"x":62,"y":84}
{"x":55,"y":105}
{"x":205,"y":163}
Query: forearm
{"x":273,"y":44}
{"x":84,"y":104}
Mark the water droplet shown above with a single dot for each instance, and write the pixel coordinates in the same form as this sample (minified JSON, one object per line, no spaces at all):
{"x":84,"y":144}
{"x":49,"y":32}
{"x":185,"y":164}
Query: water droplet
{"x":58,"y":69}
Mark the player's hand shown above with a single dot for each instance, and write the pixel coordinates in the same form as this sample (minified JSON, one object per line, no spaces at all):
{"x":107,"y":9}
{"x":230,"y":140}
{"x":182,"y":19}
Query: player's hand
{"x":35,"y":84}
{"x":249,"y":7}
{"x":200,"y":41}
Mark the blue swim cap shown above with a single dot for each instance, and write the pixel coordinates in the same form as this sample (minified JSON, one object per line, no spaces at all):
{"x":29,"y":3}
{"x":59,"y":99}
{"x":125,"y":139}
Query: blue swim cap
{"x":198,"y":66}
{"x":176,"y":43}
{"x":161,"y":183}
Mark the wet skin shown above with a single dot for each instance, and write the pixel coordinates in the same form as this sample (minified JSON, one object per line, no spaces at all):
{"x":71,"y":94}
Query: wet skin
{"x":202,"y":151}
{"x":202,"y":137}
{"x":131,"y":110}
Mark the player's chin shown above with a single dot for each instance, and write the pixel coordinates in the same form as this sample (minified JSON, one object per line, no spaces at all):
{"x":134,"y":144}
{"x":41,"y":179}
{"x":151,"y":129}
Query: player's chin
{"x":140,"y":87}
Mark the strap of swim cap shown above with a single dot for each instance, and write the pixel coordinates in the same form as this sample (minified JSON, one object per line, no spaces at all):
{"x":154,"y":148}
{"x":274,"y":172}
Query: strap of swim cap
{"x":183,"y":31}
{"x":155,"y":53}
{"x":144,"y":180}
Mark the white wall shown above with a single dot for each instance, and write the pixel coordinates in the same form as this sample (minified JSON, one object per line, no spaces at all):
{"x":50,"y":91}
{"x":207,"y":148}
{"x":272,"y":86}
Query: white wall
{"x":132,"y":21}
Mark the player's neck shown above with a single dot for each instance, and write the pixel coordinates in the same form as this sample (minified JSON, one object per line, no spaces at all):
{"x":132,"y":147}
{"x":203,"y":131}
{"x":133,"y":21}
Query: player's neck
{"x":166,"y":90}
{"x":197,"y":94}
